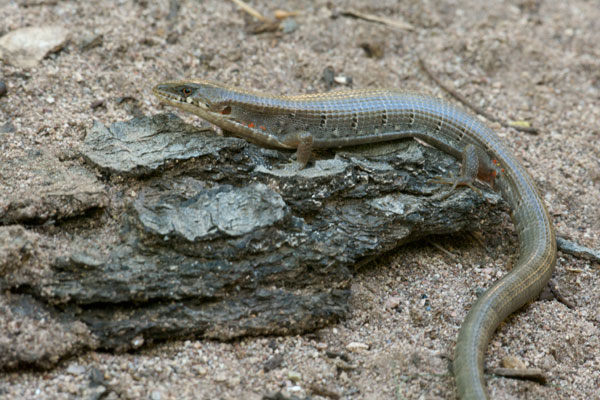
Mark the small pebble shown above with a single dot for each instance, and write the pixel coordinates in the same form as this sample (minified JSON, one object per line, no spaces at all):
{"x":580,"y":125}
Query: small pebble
{"x":155,"y":395}
{"x":356,"y":347}
{"x":328,"y":75}
{"x":343,"y":80}
{"x":3,"y":89}
{"x":7,"y":128}
{"x":294,"y":376}
{"x":96,"y":377}
{"x":97,"y":103}
{"x":289,"y":25}
{"x":137,"y":341}
{"x":95,"y":393}
{"x":76,"y":369}
{"x":392,"y":302}
{"x":513,"y":363}
{"x":220,"y":377}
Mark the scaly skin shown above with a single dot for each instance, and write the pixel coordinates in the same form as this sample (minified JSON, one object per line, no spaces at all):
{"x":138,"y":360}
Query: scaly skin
{"x":338,"y":119}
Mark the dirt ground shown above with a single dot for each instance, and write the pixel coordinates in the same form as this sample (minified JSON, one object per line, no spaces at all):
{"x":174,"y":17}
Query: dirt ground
{"x":527,"y":60}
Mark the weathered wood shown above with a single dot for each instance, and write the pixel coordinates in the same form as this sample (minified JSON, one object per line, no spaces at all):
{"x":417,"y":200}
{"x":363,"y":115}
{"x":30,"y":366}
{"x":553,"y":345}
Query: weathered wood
{"x":210,"y":236}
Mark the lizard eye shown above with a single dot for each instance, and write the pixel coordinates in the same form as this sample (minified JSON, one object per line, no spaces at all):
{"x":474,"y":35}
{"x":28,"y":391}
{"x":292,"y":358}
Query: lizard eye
{"x":186,"y":91}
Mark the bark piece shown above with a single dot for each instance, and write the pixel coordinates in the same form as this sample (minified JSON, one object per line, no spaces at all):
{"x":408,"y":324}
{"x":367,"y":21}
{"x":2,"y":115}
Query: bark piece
{"x":143,"y":145}
{"x":222,"y":238}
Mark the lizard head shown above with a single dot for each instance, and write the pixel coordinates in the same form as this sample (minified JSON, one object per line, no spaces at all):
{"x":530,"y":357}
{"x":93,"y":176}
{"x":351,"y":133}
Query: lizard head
{"x":193,"y":95}
{"x":219,"y":104}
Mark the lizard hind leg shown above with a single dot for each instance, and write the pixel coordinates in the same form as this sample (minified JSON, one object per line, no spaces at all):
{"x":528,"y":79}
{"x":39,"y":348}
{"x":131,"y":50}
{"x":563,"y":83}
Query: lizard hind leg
{"x":468,"y":172}
{"x":304,"y":149}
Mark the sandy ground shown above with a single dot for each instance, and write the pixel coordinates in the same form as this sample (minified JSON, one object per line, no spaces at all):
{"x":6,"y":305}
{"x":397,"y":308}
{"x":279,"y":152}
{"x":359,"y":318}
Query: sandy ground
{"x":531,"y":60}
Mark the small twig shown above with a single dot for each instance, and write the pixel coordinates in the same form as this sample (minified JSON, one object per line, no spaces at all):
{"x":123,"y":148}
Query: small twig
{"x":446,"y":252}
{"x":341,"y":356}
{"x":395,"y":23}
{"x":283,"y":14}
{"x":250,"y":10}
{"x":479,"y":240}
{"x":472,"y":106}
{"x":364,"y":261}
{"x":40,"y":3}
{"x":574,"y":249}
{"x":529,"y":374}
{"x":556,"y":292}
{"x":324,"y":392}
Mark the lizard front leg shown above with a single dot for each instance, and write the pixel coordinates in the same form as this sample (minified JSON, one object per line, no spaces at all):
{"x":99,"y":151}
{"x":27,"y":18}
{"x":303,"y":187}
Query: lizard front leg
{"x":469,"y":171}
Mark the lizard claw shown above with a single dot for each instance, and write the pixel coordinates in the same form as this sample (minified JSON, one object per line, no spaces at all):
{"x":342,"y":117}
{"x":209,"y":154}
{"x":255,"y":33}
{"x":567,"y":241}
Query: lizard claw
{"x":455,"y":181}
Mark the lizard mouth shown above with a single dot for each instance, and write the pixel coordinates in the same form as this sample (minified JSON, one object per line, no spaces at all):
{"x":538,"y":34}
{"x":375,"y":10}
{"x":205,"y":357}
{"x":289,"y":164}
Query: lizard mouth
{"x":195,"y":106}
{"x":173,"y":99}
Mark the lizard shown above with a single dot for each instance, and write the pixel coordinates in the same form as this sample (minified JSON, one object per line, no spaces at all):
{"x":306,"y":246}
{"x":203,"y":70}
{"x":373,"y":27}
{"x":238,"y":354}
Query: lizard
{"x":354,"y":117}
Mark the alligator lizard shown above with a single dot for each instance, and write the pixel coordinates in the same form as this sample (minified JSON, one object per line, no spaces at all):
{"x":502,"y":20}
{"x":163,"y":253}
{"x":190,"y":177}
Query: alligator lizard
{"x":338,"y":119}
